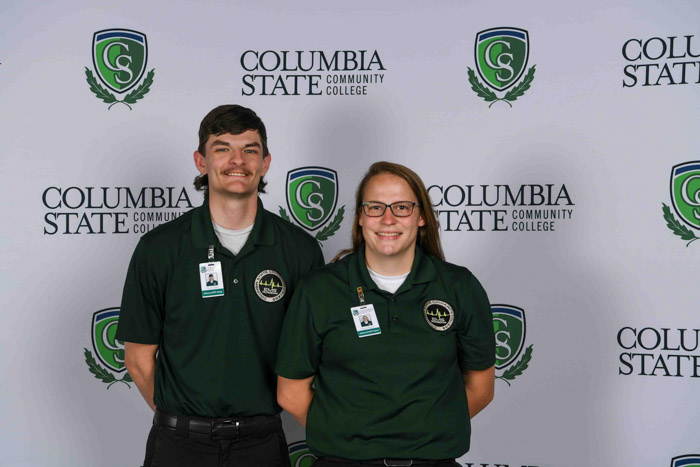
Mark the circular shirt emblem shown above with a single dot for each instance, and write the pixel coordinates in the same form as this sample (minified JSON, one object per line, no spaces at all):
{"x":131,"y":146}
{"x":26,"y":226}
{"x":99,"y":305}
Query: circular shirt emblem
{"x":270,"y":286}
{"x":438,"y":314}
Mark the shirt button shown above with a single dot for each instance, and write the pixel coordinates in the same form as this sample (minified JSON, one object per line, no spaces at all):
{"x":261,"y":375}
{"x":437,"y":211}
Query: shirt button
{"x":396,"y":318}
{"x":235,"y":281}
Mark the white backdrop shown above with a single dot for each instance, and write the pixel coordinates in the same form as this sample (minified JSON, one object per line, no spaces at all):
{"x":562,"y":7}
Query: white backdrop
{"x":610,"y":263}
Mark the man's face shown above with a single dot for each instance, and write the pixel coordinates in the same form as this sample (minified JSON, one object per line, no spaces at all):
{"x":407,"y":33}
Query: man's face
{"x":234,"y":164}
{"x":211,"y":278}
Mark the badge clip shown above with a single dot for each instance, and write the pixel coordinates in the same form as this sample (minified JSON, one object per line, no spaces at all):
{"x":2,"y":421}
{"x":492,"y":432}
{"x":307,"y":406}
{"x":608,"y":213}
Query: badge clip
{"x":210,"y":253}
{"x":361,"y":295}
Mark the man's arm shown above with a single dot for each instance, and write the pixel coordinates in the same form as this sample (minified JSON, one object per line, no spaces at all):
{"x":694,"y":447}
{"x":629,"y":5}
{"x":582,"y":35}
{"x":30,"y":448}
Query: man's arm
{"x":294,"y":396}
{"x":140,"y":360}
{"x":479,"y":385}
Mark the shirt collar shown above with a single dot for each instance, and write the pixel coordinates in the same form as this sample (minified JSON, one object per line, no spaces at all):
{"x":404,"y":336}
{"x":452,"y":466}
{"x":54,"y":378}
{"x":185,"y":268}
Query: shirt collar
{"x":203,"y":233}
{"x":422,"y":271}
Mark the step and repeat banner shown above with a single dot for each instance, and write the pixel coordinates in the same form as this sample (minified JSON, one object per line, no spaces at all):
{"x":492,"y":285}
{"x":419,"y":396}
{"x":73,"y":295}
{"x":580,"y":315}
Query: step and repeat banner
{"x":560,"y":143}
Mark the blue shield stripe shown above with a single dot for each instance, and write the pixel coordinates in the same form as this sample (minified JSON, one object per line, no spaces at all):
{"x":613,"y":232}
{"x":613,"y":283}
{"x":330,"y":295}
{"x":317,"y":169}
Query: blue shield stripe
{"x":502,"y":32}
{"x":320,"y":173}
{"x":683,"y":168}
{"x":686,"y":461}
{"x":109,"y":35}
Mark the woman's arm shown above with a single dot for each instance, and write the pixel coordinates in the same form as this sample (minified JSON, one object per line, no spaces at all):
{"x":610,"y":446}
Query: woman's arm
{"x":479,"y":386}
{"x":294,"y":396}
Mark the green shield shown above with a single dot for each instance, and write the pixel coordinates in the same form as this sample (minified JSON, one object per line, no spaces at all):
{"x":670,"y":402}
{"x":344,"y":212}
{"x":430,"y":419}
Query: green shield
{"x":501,"y":56}
{"x":300,"y":455}
{"x":685,"y":192}
{"x":119,"y":56}
{"x":312,"y":193}
{"x":108,"y":349}
{"x":509,"y":328}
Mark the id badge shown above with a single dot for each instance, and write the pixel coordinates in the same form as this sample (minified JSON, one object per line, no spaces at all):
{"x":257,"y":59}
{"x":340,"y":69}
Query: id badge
{"x":365,"y":320}
{"x":212,"y":279}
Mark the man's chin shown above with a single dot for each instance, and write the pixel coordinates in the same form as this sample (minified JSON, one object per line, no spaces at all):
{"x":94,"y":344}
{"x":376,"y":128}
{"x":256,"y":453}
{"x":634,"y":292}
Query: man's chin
{"x":236,"y":191}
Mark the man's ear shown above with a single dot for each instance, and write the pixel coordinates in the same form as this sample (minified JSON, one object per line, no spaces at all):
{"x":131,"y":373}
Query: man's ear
{"x":266,"y":163}
{"x":200,"y":162}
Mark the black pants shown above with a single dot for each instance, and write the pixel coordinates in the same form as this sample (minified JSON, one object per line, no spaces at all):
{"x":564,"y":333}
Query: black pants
{"x":168,"y":447}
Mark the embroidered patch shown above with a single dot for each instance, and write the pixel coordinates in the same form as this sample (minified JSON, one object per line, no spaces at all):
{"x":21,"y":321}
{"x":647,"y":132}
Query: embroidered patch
{"x":270,"y":286}
{"x":438,"y":314}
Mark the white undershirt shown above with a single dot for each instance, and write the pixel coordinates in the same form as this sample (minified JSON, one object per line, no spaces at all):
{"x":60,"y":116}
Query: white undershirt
{"x":232,"y":240}
{"x":388,"y":283}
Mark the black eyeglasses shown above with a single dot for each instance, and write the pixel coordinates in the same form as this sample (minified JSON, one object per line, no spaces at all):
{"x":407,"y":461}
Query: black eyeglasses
{"x":399,"y":208}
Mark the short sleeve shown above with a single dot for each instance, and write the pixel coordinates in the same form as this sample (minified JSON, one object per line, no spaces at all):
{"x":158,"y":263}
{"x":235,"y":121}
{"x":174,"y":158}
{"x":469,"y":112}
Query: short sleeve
{"x":476,"y":340}
{"x":312,"y":260}
{"x":299,"y":351}
{"x":141,"y":313}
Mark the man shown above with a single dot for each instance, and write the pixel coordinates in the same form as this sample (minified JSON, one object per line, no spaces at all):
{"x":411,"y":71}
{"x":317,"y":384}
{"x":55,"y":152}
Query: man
{"x":211,"y":282}
{"x":202,"y":357}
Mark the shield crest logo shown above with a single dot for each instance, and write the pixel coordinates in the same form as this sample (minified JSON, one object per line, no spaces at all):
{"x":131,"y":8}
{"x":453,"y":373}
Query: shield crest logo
{"x":509,"y":328}
{"x":690,"y":460}
{"x":685,"y":192}
{"x":104,"y":329}
{"x":300,"y":455}
{"x":312,"y":194}
{"x":501,"y":56}
{"x":120,"y":57}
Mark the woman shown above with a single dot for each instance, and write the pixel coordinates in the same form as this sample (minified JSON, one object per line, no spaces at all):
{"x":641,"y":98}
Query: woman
{"x":395,"y":392}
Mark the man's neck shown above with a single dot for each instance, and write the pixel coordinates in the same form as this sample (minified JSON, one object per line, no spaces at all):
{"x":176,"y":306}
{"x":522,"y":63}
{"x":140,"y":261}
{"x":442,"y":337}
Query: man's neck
{"x":233,"y":213}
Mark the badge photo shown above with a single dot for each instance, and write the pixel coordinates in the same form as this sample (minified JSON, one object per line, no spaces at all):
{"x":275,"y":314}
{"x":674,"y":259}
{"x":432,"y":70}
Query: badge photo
{"x":438,"y":314}
{"x":270,"y":286}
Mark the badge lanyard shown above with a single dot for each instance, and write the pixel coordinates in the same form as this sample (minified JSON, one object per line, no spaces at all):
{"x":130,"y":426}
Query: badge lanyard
{"x":211,"y":277}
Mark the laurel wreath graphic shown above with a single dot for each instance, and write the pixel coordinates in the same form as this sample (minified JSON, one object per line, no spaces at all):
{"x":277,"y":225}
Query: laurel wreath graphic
{"x":518,"y":368}
{"x":489,"y":96}
{"x":102,"y":374}
{"x":676,"y":227}
{"x":283,"y":215}
{"x":326,"y":232}
{"x":109,"y":98}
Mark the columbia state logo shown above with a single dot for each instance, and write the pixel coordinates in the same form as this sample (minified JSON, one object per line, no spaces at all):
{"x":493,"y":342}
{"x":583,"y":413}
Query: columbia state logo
{"x":501,"y":56}
{"x":685,"y":198}
{"x":270,"y":286}
{"x":438,"y":314}
{"x":509,"y":330}
{"x":312,"y":196}
{"x":119,"y":57}
{"x":109,"y":351}
{"x":300,"y":455}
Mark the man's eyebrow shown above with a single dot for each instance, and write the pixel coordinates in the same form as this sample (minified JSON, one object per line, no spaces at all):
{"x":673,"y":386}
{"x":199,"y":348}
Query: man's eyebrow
{"x":220,"y":142}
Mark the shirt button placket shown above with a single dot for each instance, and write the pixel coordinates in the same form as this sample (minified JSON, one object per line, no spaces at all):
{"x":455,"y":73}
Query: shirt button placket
{"x":394,"y":315}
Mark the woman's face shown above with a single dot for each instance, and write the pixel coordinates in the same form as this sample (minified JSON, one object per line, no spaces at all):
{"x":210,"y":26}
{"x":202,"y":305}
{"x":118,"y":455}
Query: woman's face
{"x":388,"y":236}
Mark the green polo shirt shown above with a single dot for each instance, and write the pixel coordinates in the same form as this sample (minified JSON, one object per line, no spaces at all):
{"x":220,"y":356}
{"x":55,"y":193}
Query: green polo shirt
{"x":400,"y":393}
{"x":216,"y":355}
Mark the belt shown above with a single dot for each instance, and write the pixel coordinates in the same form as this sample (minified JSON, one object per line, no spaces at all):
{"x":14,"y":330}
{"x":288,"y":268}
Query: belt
{"x":219,"y":427}
{"x":390,"y":462}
